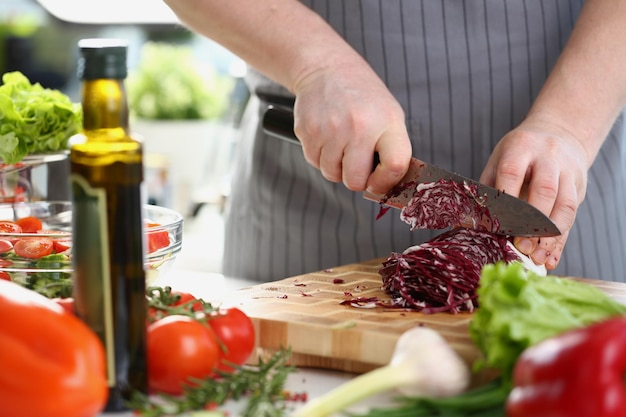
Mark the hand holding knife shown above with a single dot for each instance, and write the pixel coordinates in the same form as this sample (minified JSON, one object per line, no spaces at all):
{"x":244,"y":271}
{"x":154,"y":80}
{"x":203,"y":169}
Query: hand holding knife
{"x":514,"y":216}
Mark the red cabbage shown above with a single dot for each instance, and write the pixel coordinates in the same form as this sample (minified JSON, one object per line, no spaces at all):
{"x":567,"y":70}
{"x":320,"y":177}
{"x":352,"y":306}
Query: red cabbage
{"x":443,"y":273}
{"x":446,"y":203}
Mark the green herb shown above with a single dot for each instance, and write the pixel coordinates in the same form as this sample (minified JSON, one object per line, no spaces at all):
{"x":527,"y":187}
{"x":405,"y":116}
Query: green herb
{"x":49,"y":283}
{"x":261,"y":386}
{"x":165,"y":302}
{"x":519,"y":308}
{"x":34,"y":119}
{"x":485,"y":401}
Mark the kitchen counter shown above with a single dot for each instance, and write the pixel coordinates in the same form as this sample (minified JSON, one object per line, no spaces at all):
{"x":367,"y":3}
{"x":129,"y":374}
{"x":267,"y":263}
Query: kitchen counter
{"x":315,"y":382}
{"x":197,"y":271}
{"x":213,"y":287}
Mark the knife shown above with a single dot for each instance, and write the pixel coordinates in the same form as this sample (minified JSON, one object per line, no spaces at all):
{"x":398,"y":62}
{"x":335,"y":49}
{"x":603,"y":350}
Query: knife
{"x":515,"y":217}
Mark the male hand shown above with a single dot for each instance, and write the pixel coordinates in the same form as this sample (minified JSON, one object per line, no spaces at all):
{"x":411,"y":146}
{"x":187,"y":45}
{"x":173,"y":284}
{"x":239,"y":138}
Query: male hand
{"x":545,"y":164}
{"x":343,"y":114}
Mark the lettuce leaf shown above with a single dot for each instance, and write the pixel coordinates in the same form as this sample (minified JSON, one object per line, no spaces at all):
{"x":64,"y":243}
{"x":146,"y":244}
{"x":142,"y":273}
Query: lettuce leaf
{"x":518,"y":308}
{"x":34,"y":119}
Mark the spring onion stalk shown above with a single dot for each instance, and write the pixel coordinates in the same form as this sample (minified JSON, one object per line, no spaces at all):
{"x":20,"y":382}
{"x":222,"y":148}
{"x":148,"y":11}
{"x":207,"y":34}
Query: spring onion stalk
{"x":422,"y":364}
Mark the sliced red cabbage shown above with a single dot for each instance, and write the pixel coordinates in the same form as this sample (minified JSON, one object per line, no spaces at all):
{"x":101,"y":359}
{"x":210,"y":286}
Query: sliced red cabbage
{"x":443,"y":273}
{"x":446,"y":203}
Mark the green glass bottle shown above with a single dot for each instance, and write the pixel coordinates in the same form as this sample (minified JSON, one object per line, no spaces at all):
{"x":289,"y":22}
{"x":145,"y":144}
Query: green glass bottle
{"x":106,"y":166}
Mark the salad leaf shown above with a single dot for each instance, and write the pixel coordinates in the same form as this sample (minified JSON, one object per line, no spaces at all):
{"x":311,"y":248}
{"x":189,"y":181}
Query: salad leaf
{"x":34,"y":119}
{"x":519,"y":308}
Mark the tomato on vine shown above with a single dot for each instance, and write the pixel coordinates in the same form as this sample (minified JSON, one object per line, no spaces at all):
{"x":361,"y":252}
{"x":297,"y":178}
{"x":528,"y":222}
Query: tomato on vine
{"x":235,"y":331}
{"x":179,"y":348}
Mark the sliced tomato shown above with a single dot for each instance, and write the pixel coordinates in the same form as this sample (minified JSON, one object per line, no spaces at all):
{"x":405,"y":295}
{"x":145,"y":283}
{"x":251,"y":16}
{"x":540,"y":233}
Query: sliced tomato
{"x":5,"y":245}
{"x":61,"y":244}
{"x":30,"y":224}
{"x":5,"y":276}
{"x":33,"y":247}
{"x":158,"y":239}
{"x":7,"y":226}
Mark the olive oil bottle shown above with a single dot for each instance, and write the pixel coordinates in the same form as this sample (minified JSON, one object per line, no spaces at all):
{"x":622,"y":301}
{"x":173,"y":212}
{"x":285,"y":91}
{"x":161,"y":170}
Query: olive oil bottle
{"x":106,"y":172}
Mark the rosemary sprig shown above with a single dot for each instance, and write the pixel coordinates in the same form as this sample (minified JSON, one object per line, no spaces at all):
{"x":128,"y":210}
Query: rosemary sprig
{"x":262,"y":387}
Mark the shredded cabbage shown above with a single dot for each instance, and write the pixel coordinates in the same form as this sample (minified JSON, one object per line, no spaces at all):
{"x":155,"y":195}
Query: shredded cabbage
{"x":34,"y":119}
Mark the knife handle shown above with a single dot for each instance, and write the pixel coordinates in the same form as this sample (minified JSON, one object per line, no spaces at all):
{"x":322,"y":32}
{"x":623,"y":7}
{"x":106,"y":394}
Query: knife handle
{"x":278,"y":122}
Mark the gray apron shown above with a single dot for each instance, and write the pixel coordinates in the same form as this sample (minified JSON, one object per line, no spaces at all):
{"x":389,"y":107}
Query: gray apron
{"x":466,"y":73}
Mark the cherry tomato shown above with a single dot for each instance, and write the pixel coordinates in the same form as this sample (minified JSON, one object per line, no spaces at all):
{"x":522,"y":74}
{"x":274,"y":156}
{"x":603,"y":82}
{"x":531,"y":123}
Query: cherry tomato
{"x":183,"y":298}
{"x":179,"y":348}
{"x":5,"y":245}
{"x":187,"y":298}
{"x":33,"y":247}
{"x":5,"y":276}
{"x":30,"y":224}
{"x":157,"y":239}
{"x":235,"y":331}
{"x":7,"y":226}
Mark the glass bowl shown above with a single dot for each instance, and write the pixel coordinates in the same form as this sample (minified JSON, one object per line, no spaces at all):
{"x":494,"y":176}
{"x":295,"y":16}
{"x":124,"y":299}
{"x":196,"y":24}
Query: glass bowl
{"x":51,"y":274}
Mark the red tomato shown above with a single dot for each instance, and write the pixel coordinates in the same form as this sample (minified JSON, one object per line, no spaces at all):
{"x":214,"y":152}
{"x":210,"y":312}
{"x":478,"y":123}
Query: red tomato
{"x":155,"y":314}
{"x":61,"y":244}
{"x":158,"y":239}
{"x":30,"y":224}
{"x":235,"y":331}
{"x":5,"y":245}
{"x":5,"y":276}
{"x":179,"y":348}
{"x":7,"y":226}
{"x":33,"y":247}
{"x":186,"y":298}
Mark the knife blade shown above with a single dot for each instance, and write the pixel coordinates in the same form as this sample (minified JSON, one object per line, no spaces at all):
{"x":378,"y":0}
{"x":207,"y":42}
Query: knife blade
{"x":514,"y":216}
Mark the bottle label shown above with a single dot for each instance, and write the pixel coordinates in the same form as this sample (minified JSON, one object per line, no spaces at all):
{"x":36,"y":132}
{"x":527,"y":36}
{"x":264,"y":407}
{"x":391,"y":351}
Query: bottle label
{"x":92,"y":277}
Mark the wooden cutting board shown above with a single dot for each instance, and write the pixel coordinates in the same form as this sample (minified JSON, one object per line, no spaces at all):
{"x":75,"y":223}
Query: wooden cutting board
{"x":306,"y":314}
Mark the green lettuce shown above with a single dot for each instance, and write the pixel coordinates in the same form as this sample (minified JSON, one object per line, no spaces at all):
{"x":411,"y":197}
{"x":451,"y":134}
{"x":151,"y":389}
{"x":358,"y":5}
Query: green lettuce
{"x":34,"y":119}
{"x":519,"y":308}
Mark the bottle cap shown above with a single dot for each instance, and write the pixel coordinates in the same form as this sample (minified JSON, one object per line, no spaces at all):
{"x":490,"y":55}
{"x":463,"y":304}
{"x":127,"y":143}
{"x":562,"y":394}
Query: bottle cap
{"x":102,"y":58}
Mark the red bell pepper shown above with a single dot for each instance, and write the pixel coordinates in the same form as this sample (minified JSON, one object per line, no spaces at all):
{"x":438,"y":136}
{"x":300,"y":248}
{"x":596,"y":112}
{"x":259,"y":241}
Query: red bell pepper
{"x":579,"y":373}
{"x":51,"y":363}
